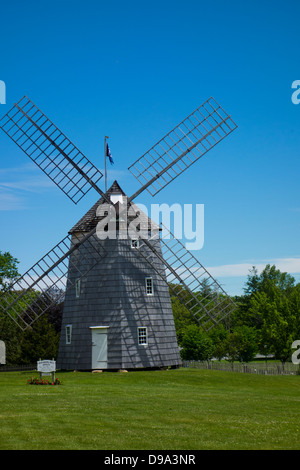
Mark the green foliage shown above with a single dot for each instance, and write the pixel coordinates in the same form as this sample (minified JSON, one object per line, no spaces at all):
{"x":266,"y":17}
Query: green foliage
{"x":196,"y":345}
{"x":39,"y":341}
{"x":182,"y":317}
{"x":218,"y":336}
{"x":8,"y":269}
{"x":267,"y":319}
{"x":241,"y":345}
{"x":279,"y":319}
{"x":269,"y":277}
{"x":11,"y":334}
{"x":26,"y":347}
{"x":21,"y":305}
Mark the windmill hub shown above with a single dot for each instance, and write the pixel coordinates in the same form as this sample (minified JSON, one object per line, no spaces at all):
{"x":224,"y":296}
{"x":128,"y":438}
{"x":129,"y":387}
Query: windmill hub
{"x":121,"y":219}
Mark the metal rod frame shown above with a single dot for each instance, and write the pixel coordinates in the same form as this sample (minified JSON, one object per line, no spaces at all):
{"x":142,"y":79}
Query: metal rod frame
{"x":46,"y":283}
{"x":187,"y":278}
{"x":50,"y":150}
{"x":181,"y":147}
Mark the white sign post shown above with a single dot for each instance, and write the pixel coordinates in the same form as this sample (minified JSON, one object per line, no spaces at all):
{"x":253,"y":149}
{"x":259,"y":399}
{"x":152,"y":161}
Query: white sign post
{"x":47,"y":368}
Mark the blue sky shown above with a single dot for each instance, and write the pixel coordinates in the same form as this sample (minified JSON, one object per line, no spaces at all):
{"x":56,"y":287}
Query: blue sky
{"x":133,"y":70}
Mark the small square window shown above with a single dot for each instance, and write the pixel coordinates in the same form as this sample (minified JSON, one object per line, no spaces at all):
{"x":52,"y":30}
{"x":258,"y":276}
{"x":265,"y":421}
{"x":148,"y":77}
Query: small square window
{"x":77,"y":288}
{"x":142,"y":335}
{"x":135,"y":243}
{"x":68,"y":334}
{"x":149,"y":286}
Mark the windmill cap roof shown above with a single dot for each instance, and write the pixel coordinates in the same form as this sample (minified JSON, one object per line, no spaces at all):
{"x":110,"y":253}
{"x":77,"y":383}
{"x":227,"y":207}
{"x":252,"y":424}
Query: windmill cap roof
{"x":90,"y":219}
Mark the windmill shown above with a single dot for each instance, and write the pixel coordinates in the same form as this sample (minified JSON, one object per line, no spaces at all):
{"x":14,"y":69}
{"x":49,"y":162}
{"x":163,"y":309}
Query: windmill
{"x":116,"y":291}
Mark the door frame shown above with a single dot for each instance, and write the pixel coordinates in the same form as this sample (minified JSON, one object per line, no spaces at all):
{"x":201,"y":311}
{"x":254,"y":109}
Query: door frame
{"x":105,"y":331}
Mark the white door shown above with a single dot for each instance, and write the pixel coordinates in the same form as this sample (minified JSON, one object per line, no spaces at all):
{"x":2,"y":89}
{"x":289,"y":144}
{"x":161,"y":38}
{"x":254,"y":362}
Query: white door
{"x":99,"y":347}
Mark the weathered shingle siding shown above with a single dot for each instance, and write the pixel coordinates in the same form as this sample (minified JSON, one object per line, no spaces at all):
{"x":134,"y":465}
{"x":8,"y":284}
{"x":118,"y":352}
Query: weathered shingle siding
{"x":114,"y":294}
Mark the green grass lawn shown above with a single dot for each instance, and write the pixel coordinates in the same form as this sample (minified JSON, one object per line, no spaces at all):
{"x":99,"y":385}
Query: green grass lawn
{"x":180,"y":409}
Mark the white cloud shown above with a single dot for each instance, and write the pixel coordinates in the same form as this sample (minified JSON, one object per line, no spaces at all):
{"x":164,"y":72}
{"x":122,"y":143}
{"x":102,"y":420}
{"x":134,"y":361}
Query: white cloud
{"x":31,"y":184}
{"x":289,"y":265}
{"x":10,"y":202}
{"x":16,"y":182}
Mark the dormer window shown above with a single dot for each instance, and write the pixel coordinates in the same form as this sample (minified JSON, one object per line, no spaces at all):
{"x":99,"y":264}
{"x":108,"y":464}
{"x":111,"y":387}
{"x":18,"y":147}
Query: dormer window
{"x":116,"y":198}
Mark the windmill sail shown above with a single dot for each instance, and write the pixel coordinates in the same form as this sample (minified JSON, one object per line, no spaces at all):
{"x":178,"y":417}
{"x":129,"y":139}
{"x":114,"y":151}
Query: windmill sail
{"x":45,"y":283}
{"x":50,"y":149}
{"x":182,"y":146}
{"x":196,"y":289}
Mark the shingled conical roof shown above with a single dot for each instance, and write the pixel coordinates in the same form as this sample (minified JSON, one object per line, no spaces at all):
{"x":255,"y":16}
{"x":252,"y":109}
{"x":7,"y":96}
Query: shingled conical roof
{"x":90,"y":219}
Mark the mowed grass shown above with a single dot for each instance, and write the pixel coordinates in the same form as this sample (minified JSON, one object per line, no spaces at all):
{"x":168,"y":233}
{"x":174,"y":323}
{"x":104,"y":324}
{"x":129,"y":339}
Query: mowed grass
{"x":180,"y":409}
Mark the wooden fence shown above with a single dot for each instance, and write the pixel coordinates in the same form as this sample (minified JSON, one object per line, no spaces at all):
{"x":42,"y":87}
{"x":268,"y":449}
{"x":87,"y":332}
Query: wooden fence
{"x":265,"y":368}
{"x":5,"y":368}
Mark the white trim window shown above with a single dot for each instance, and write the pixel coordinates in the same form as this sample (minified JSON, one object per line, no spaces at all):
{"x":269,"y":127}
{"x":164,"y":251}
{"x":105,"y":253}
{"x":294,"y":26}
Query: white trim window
{"x":149,"y":286}
{"x":77,"y":288}
{"x":135,"y":243}
{"x":142,"y":336}
{"x":68,"y":334}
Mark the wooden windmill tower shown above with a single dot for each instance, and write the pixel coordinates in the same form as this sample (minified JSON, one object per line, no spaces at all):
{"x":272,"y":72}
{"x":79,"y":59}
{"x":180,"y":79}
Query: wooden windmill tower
{"x":117,"y":309}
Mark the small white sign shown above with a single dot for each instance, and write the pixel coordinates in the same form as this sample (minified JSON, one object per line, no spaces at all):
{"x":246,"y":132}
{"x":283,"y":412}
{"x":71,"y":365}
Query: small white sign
{"x":2,"y":353}
{"x":46,"y":366}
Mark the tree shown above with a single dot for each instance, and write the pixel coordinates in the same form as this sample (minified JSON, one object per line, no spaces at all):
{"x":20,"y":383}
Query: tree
{"x":39,"y":341}
{"x":271,"y":305}
{"x":253,"y":282}
{"x":270,"y":276}
{"x":267,"y":282}
{"x":8,"y":269}
{"x":241,"y":344}
{"x":196,"y":345}
{"x":11,"y":334}
{"x":182,"y":317}
{"x":279,"y":314}
{"x":218,"y":335}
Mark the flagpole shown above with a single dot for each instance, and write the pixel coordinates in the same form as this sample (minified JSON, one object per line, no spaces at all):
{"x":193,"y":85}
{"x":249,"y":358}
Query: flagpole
{"x":105,"y":158}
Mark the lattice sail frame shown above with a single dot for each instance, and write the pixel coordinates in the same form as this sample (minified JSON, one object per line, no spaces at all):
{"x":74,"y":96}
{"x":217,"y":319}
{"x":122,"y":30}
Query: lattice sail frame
{"x":50,"y":149}
{"x":182,"y":146}
{"x":187,"y":278}
{"x":74,"y":174}
{"x":46,"y":283}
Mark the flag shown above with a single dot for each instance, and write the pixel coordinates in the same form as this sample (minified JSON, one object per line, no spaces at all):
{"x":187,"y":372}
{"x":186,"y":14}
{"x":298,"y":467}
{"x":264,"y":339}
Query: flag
{"x":108,"y":154}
